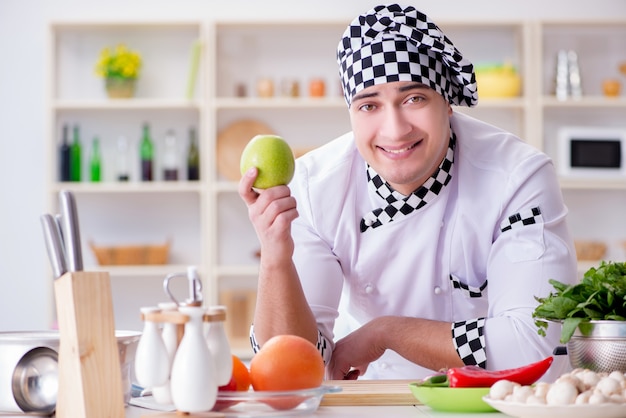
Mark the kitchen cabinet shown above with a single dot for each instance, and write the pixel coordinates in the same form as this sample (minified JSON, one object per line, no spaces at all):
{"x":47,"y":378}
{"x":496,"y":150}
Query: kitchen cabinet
{"x":205,"y":220}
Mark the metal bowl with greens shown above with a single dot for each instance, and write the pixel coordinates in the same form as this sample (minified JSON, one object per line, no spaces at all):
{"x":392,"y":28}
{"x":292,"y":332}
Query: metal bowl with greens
{"x":600,"y":295}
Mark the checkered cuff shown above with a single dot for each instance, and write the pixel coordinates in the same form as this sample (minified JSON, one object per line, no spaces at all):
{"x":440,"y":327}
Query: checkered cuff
{"x":323,"y":346}
{"x":469,"y":341}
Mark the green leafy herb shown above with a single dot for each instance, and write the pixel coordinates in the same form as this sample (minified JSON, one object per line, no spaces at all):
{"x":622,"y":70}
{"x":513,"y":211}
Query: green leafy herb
{"x":600,"y":295}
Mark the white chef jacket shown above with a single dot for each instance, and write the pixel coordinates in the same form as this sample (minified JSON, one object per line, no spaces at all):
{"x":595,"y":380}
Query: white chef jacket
{"x":426,"y":264}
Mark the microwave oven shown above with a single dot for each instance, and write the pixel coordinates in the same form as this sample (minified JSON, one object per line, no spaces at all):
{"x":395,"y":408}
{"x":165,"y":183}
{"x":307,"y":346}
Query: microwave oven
{"x":592,"y":152}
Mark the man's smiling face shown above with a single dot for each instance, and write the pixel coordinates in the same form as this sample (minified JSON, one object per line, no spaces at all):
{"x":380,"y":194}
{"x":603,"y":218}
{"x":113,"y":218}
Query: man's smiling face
{"x":402,"y":130}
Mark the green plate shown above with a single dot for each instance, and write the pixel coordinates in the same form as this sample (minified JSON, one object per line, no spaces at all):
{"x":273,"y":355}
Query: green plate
{"x":452,"y":399}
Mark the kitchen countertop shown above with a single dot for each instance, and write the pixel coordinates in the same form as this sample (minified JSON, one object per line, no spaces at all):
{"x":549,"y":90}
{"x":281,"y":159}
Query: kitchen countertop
{"x":413,"y":411}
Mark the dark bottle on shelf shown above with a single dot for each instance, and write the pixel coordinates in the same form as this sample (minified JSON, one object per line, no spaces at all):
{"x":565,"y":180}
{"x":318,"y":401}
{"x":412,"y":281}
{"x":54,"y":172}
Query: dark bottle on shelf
{"x":75,"y":156}
{"x":193,"y":157}
{"x":95,"y":162}
{"x":146,"y":151}
{"x":170,"y":157}
{"x":64,"y":156}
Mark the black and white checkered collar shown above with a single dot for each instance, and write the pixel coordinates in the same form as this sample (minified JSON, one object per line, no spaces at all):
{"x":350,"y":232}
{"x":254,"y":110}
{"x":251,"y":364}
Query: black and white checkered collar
{"x":399,"y":205}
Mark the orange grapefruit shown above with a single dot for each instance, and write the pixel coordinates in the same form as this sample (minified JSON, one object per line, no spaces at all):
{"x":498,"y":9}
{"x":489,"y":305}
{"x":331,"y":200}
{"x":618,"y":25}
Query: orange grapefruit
{"x":286,"y":363}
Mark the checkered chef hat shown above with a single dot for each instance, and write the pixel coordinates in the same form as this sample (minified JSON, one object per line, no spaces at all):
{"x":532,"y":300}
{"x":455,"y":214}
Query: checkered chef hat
{"x":390,"y":43}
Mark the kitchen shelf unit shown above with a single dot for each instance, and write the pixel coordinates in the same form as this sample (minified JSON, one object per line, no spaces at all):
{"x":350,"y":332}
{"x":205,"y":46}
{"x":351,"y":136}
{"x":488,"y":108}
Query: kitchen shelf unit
{"x":213,"y":224}
{"x":595,"y":204}
{"x":134,"y":212}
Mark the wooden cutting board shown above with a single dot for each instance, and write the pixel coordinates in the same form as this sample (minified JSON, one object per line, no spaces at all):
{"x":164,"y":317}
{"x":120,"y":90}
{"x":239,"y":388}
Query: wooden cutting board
{"x":370,"y":392}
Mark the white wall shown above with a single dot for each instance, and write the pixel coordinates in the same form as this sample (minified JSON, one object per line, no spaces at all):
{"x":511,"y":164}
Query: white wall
{"x":23,"y":77}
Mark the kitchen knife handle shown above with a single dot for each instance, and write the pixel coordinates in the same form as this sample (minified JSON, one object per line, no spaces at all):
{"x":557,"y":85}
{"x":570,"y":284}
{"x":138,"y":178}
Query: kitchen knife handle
{"x":71,"y":231}
{"x":54,"y":245}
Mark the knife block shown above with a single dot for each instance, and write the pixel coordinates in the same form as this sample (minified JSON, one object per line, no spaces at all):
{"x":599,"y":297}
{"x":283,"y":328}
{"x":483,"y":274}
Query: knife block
{"x":90,"y":381}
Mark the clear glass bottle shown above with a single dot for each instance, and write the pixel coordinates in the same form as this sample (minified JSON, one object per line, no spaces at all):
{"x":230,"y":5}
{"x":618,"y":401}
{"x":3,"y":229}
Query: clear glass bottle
{"x":95,"y":162}
{"x":193,"y":157}
{"x":146,"y":152}
{"x":122,"y":163}
{"x":75,"y":156}
{"x":170,"y":157}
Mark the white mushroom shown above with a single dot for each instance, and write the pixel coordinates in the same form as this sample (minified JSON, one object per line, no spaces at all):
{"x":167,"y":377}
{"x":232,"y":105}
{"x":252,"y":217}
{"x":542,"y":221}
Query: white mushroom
{"x":617,"y":375}
{"x":522,"y":393}
{"x":574,"y":379}
{"x":501,"y":389}
{"x":608,"y":386}
{"x":541,"y":390}
{"x":563,"y":392}
{"x":589,"y":378}
{"x":583,"y":398}
{"x":597,"y":398}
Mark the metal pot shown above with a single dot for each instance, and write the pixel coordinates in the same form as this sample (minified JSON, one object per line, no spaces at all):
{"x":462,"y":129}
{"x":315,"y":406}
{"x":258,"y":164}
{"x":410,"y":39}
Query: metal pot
{"x":29,"y":369}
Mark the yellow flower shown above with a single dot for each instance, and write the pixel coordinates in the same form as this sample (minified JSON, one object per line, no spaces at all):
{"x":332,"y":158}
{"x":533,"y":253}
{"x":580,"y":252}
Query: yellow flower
{"x":120,"y":62}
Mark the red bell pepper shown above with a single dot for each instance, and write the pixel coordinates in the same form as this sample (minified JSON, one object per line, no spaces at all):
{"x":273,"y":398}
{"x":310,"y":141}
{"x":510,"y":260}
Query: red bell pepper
{"x":474,"y":376}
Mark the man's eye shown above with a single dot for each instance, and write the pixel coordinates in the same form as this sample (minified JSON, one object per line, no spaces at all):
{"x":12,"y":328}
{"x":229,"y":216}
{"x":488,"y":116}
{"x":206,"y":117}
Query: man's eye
{"x":415,"y":99}
{"x":366,"y":107}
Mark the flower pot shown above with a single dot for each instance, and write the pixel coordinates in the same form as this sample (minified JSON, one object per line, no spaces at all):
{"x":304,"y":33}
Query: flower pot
{"x":120,"y":88}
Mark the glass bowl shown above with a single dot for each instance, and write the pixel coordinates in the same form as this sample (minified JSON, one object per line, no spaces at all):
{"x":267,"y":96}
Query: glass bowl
{"x":271,"y":403}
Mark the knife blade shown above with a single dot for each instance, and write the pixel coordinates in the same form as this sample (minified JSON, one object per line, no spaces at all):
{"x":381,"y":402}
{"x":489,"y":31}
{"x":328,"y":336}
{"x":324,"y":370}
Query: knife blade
{"x":54,"y":245}
{"x":71,"y":231}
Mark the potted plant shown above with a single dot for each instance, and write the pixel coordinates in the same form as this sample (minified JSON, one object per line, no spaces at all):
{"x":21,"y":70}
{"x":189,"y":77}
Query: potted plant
{"x":120,"y":68}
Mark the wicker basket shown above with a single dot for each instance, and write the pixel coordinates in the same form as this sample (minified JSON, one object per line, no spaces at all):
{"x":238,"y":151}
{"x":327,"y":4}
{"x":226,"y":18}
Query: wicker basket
{"x":126,"y":255}
{"x":590,"y":250}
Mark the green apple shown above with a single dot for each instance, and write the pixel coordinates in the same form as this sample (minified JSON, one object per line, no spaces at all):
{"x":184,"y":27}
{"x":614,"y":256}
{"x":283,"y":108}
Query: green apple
{"x":272,"y":156}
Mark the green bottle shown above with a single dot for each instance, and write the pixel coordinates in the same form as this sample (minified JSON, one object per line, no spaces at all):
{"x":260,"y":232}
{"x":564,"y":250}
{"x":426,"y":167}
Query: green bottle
{"x":75,"y":156}
{"x":95,"y":161}
{"x":193,"y":157}
{"x":146,"y":151}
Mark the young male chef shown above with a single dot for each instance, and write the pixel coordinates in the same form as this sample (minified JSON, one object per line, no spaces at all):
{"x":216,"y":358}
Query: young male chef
{"x":439,"y":229}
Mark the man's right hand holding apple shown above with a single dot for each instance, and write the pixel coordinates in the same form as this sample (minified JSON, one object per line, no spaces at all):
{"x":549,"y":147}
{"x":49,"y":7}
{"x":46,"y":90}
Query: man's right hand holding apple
{"x":281,"y":306}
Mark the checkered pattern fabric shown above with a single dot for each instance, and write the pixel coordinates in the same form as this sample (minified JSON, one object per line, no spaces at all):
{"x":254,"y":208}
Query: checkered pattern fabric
{"x":391,"y":43}
{"x":399,"y":205}
{"x":522,"y":218}
{"x":469,"y":341}
{"x":323,"y":346}
{"x":473,"y":292}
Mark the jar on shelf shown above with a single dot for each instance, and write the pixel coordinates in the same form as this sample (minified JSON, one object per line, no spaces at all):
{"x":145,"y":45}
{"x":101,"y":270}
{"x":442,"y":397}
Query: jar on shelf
{"x":317,"y":88}
{"x":265,"y":87}
{"x":290,"y":88}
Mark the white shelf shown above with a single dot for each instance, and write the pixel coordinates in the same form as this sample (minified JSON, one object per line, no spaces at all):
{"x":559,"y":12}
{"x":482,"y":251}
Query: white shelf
{"x":230,"y":271}
{"x":593,"y":184}
{"x":130,"y":187}
{"x":127,"y":104}
{"x":280,"y":103}
{"x":585,"y":102}
{"x":157,"y":271}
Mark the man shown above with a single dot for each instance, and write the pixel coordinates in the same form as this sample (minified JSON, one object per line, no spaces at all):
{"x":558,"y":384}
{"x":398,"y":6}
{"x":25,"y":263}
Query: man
{"x":439,"y":229}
